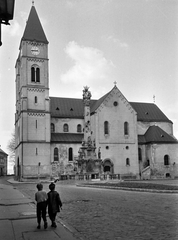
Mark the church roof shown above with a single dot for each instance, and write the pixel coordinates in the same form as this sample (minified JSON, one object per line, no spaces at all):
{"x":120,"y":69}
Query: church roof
{"x":67,"y":137}
{"x":149,"y":112}
{"x":98,"y":102}
{"x":33,"y":30}
{"x":74,"y":108}
{"x":155,"y":134}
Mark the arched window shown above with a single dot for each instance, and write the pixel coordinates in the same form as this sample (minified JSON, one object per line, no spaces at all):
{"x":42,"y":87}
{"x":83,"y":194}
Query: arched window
{"x":56,"y":154}
{"x":70,"y":154}
{"x":79,"y":128}
{"x":166,"y":160}
{"x":106,"y":127}
{"x":36,"y":99}
{"x":52,"y":127}
{"x":65,"y":127}
{"x":126,"y":128}
{"x":127,"y":162}
{"x":35,"y":73}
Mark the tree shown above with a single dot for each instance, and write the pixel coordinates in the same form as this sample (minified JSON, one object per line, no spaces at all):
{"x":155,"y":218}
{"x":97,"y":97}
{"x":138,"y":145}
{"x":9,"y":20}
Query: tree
{"x":11,"y":147}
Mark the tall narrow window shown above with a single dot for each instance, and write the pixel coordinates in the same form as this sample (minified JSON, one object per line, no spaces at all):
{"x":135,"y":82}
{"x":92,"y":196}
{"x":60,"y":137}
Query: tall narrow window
{"x":127,"y":162}
{"x":126,"y":128}
{"x":35,"y":73}
{"x":56,"y":154}
{"x":166,"y":160}
{"x":52,"y":127}
{"x":36,"y":124}
{"x":36,"y":99}
{"x":106,"y":127}
{"x":79,"y":128}
{"x":65,"y":127}
{"x":70,"y":154}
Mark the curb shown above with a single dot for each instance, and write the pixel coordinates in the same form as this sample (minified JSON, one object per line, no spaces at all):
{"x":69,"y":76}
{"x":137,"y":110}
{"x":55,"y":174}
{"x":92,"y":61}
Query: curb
{"x":128,"y":189}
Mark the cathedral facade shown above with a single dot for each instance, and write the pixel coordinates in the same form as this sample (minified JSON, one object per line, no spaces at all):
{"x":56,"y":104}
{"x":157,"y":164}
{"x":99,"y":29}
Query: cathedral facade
{"x":129,"y":138}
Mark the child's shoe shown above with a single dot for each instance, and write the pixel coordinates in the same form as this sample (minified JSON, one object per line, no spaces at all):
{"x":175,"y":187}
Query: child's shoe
{"x":38,"y":227}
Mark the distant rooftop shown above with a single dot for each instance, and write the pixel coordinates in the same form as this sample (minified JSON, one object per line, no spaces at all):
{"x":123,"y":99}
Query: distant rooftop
{"x":1,"y":151}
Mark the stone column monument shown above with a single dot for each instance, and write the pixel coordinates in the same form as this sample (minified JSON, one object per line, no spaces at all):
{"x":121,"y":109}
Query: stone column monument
{"x":87,"y":162}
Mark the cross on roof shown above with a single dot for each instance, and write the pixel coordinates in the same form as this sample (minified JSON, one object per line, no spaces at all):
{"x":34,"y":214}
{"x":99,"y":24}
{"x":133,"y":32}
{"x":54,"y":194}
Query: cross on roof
{"x":115,"y":83}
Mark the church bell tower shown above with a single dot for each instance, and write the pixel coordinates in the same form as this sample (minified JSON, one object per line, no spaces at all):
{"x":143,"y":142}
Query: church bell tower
{"x":32,"y":118}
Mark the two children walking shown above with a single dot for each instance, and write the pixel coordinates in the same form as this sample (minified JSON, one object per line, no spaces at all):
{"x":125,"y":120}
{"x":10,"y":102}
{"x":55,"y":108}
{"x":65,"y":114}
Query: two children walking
{"x":50,"y":199}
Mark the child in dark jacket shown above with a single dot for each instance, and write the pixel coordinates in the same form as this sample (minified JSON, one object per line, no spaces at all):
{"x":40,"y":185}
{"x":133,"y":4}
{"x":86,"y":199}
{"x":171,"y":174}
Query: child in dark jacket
{"x":41,"y":198}
{"x":54,"y":204}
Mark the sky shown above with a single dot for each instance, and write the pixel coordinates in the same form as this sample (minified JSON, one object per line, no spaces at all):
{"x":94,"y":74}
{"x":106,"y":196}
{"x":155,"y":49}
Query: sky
{"x":97,"y":43}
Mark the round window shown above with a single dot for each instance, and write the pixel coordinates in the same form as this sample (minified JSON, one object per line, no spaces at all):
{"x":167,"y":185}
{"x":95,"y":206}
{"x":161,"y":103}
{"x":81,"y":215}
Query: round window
{"x":115,"y":103}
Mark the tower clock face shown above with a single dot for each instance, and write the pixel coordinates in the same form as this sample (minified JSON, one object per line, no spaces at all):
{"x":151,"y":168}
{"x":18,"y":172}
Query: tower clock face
{"x":35,"y":50}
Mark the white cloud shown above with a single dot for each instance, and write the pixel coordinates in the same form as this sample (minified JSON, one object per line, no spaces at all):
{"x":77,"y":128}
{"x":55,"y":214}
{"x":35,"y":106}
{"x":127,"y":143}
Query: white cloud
{"x":117,"y":41}
{"x":14,"y":29}
{"x":90,"y":66}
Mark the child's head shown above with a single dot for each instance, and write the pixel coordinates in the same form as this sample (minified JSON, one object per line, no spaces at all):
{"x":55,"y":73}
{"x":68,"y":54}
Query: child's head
{"x":39,"y":186}
{"x":51,"y":186}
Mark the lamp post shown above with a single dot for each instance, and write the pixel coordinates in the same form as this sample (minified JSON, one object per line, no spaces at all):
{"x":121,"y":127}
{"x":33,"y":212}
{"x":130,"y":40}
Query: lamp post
{"x":6,"y":13}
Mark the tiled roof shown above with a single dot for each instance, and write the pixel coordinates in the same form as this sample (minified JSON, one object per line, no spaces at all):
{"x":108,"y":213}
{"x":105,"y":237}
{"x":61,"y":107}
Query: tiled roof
{"x":67,"y":137}
{"x":33,"y":30}
{"x":155,"y":134}
{"x":73,"y":108}
{"x":97,"y":103}
{"x":149,"y":112}
{"x":141,"y":139}
{"x":66,"y":107}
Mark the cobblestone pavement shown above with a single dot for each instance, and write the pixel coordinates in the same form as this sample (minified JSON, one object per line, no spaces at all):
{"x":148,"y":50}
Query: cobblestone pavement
{"x":115,"y":214}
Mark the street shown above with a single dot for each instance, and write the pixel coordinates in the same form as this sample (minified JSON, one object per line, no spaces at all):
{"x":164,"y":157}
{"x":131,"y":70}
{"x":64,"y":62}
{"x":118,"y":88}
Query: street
{"x":115,"y":214}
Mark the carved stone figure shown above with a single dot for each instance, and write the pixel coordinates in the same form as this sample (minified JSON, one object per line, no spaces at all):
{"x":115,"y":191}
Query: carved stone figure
{"x":86,"y":95}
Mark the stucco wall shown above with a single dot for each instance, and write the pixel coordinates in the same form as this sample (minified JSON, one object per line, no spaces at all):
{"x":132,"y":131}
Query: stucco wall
{"x":115,"y":145}
{"x":72,"y":123}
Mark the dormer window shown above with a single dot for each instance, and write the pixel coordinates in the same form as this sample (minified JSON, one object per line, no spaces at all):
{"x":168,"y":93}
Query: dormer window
{"x":35,"y":74}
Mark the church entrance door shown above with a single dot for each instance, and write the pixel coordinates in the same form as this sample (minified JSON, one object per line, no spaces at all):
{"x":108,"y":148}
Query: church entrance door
{"x":108,"y":166}
{"x":107,"y":169}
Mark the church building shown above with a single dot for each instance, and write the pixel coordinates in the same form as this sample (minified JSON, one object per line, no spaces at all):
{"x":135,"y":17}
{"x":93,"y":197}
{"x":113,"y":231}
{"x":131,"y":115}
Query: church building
{"x":129,"y":138}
